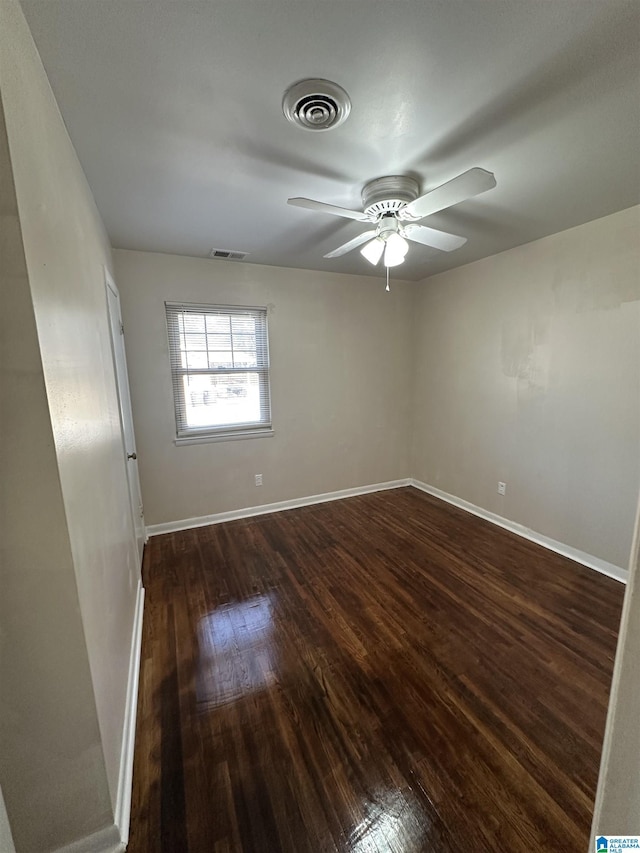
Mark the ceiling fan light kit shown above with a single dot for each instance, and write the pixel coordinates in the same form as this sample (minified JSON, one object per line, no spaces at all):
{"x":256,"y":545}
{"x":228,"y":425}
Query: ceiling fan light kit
{"x":395,"y":250}
{"x":392,"y":203}
{"x":373,"y":250}
{"x":390,"y":240}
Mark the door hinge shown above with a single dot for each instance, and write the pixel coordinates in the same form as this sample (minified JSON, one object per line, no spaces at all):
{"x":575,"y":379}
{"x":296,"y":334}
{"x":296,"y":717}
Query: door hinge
{"x":122,"y":328}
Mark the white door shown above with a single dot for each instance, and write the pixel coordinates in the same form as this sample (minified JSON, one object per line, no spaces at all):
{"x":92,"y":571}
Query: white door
{"x":122,"y":381}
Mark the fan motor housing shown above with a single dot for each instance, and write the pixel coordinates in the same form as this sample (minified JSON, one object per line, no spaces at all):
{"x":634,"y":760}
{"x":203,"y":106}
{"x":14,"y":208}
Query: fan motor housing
{"x":389,"y":194}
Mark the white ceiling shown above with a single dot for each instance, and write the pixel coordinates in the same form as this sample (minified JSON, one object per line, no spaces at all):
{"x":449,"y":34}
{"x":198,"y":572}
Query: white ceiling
{"x":175,"y":112}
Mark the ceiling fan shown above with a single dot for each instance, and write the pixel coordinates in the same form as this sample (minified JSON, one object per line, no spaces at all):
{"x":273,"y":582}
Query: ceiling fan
{"x":393,"y":206}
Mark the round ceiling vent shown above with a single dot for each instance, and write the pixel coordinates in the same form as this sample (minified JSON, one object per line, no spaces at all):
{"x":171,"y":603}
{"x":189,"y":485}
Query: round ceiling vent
{"x":389,"y":194}
{"x":316,"y":104}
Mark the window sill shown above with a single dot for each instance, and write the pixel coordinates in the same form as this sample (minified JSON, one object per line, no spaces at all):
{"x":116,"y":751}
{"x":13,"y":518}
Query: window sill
{"x":235,"y":435}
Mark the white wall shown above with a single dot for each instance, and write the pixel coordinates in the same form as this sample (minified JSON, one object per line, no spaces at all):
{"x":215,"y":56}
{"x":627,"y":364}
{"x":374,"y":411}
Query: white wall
{"x":340,"y":354}
{"x":69,"y":562}
{"x":528,"y":371}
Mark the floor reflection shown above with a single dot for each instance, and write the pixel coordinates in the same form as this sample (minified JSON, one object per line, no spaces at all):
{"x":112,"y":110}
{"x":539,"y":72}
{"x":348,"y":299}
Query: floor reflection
{"x":393,"y":824}
{"x":237,"y":654}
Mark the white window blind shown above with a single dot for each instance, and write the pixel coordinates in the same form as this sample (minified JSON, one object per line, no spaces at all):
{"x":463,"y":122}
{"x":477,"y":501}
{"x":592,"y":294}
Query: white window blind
{"x":220,"y":370}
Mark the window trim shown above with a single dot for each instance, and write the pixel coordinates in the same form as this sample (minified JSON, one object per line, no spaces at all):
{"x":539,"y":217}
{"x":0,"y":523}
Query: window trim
{"x":236,"y":435}
{"x":225,"y":432}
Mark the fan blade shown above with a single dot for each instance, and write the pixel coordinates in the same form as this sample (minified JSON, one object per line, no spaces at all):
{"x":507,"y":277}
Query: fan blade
{"x":465,"y":186}
{"x":430,"y":237}
{"x":352,"y":244}
{"x":310,"y":204}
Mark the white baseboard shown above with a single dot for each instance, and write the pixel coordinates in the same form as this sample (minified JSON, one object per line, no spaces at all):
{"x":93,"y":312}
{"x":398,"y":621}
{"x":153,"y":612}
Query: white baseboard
{"x":114,"y":838}
{"x":248,"y":512}
{"x":123,"y":799}
{"x":578,"y":556}
{"x":105,"y":840}
{"x":582,"y":557}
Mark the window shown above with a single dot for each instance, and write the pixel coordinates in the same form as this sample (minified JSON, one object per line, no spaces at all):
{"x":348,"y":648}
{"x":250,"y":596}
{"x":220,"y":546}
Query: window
{"x":220,"y":369}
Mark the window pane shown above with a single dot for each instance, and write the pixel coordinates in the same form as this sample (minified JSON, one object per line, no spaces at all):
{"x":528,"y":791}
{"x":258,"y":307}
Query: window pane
{"x":217,"y":325}
{"x":244,"y":359}
{"x":220,"y":359}
{"x":216,"y":343}
{"x":192,"y":323}
{"x":212,"y":401}
{"x":219,"y":342}
{"x":194,"y":341}
{"x":197,"y":360}
{"x":244,"y":341}
{"x":240,"y":325}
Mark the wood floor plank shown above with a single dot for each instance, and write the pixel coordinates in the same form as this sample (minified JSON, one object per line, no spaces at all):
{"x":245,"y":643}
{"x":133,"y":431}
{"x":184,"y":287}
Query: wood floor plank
{"x":382,"y":673}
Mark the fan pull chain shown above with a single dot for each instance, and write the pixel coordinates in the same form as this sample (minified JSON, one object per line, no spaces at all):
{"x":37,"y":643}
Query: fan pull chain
{"x":387,"y":287}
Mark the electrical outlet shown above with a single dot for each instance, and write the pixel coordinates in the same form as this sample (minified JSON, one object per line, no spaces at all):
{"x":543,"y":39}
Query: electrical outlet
{"x":502,"y":488}
{"x":258,"y":479}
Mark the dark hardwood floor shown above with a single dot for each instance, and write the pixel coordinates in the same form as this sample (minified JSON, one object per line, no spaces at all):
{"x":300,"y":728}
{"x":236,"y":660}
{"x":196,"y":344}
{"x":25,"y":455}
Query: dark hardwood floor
{"x":383,"y":674}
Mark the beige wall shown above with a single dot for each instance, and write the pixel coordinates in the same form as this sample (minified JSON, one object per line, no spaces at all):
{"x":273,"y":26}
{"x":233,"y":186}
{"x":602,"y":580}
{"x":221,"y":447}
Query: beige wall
{"x":340,"y":358}
{"x":617,"y":806}
{"x":69,"y":559}
{"x":528,"y":371}
{"x":6,"y":838}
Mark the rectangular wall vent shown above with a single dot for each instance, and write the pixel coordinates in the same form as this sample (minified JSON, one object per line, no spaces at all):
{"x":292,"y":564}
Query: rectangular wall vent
{"x":228,"y":255}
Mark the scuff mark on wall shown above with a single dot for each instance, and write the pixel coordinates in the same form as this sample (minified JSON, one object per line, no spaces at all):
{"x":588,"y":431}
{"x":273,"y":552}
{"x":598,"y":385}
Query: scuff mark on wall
{"x":526,"y":353}
{"x":591,"y":285}
{"x":528,"y":372}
